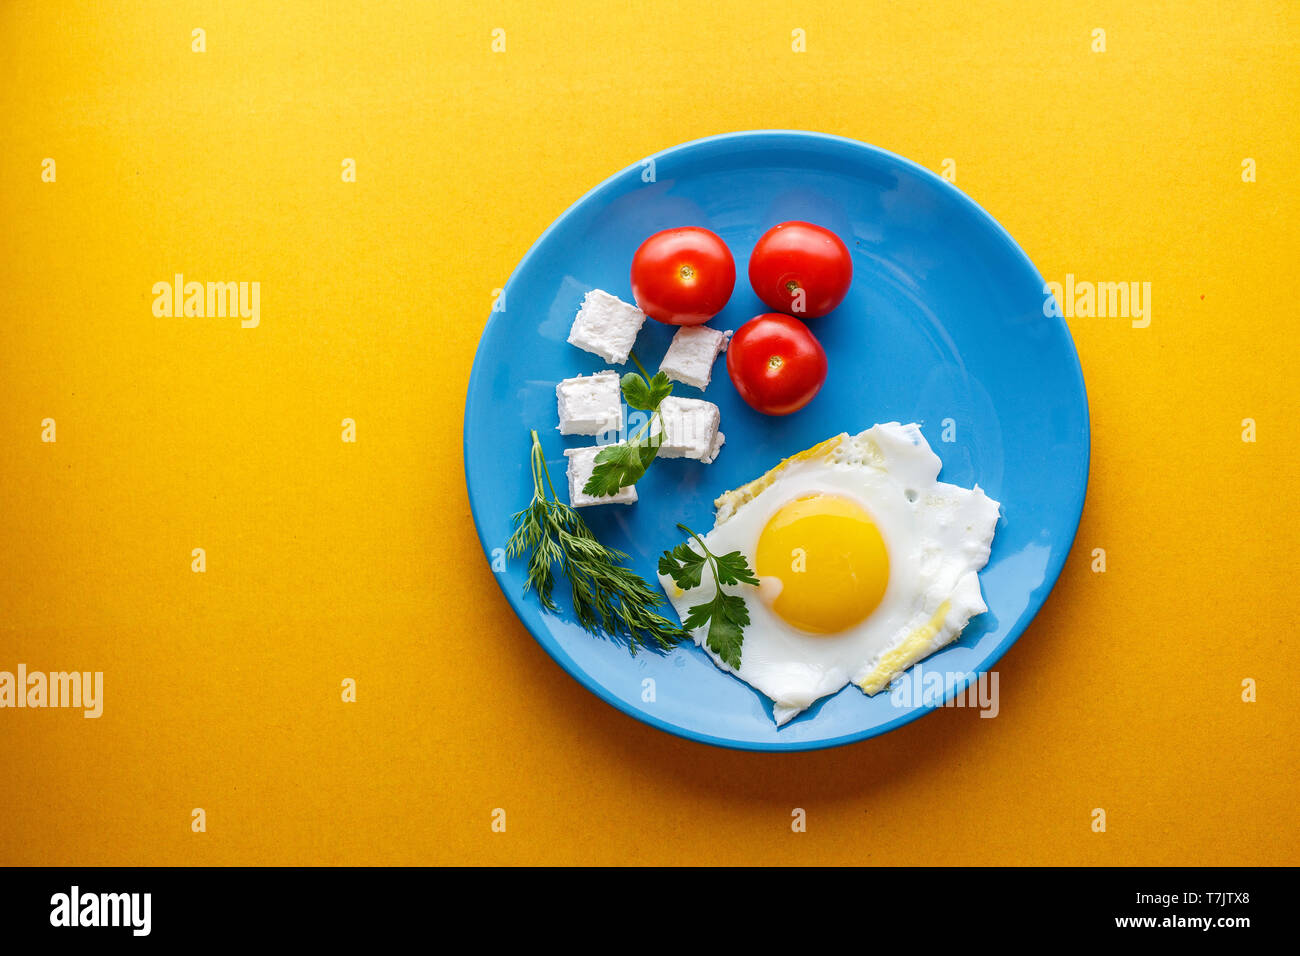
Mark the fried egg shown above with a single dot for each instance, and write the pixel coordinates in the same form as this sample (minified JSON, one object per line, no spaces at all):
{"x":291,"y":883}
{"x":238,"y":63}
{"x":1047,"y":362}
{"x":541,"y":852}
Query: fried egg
{"x":866,"y":563}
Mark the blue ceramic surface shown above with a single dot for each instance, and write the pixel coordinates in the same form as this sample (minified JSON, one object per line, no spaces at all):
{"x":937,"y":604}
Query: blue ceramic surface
{"x":944,"y":326}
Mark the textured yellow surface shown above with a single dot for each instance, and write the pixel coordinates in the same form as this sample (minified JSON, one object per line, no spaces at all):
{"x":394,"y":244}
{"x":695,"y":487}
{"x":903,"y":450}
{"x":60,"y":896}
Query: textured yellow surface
{"x":329,"y":560}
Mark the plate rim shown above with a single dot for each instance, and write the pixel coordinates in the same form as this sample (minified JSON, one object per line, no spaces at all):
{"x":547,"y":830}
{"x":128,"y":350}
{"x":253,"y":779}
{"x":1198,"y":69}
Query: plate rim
{"x":516,"y":600}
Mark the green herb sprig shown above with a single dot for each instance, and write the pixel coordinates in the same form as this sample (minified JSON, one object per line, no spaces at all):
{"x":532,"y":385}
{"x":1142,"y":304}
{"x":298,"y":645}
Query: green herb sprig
{"x":618,"y":466}
{"x":726,"y":614}
{"x":606,"y":596}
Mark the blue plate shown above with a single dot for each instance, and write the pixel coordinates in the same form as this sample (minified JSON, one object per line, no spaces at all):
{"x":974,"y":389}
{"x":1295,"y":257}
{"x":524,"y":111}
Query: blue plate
{"x":944,"y":326}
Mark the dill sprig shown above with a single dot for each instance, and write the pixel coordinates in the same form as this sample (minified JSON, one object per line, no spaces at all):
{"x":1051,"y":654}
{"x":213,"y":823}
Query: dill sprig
{"x":606,"y":596}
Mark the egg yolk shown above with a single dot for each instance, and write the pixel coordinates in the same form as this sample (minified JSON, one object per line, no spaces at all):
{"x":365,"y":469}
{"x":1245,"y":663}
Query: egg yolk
{"x":830,"y":560}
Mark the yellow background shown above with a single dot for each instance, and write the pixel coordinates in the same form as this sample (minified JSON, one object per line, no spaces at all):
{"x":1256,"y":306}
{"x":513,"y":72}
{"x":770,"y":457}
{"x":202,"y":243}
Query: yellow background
{"x":329,"y":560}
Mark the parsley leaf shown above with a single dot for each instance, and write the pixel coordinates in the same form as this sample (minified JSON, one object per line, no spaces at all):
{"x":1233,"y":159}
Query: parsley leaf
{"x":622,"y":464}
{"x":684,"y":565}
{"x":726,"y":614}
{"x":643,"y":394}
{"x":734,"y":569}
{"x":618,"y":466}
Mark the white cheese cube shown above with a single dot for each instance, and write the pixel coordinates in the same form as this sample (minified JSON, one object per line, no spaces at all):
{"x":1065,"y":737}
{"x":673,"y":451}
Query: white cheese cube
{"x":718,"y":441}
{"x":692,"y":353}
{"x":607,"y":326}
{"x":582,"y":462}
{"x":590,"y":404}
{"x":690,"y":429}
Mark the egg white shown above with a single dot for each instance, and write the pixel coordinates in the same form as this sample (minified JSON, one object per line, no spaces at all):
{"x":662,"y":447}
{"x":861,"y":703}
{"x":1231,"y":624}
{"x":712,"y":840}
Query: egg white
{"x":937,"y":536}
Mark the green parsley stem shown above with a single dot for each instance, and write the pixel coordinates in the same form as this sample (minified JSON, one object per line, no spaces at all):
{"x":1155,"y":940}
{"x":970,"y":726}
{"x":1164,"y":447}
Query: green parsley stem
{"x":640,"y":367}
{"x":636,"y":439}
{"x":650,"y":421}
{"x":713,"y":565}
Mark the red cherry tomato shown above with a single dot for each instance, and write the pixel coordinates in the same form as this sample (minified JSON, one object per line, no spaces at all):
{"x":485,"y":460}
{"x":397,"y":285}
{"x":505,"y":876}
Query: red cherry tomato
{"x":776,"y":364}
{"x":801,"y":269}
{"x":683,"y":276}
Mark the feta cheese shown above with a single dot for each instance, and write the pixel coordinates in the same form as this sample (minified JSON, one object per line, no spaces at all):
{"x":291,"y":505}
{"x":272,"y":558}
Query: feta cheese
{"x":590,"y":404}
{"x":718,"y":441}
{"x":690,"y":429}
{"x":692,"y":353}
{"x":582,"y":462}
{"x":607,"y":326}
